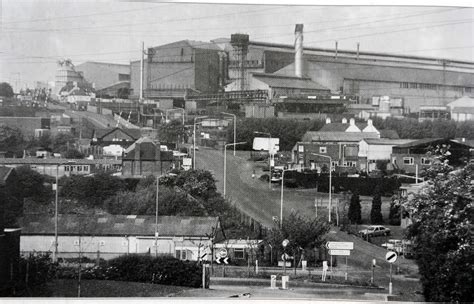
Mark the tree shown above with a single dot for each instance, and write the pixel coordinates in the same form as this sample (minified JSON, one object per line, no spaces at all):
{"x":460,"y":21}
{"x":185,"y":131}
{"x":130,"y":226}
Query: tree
{"x":394,"y":214}
{"x":354,"y":212}
{"x":6,"y":89}
{"x":172,"y":131}
{"x":303,"y":234}
{"x":33,"y":185}
{"x":441,"y":229}
{"x":63,"y":141}
{"x":376,"y":211}
{"x":11,"y":139}
{"x":74,"y":154}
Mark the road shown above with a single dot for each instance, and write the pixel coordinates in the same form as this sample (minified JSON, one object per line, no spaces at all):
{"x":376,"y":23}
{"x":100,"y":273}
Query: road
{"x":98,"y":120}
{"x":254,"y":197}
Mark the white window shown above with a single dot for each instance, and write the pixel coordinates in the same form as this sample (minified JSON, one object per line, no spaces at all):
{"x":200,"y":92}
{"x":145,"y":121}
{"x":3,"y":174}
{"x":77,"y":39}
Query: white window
{"x":239,"y":253}
{"x":183,"y":254}
{"x":300,"y":148}
{"x":408,"y":161}
{"x":323,"y":150}
{"x":425,"y":161}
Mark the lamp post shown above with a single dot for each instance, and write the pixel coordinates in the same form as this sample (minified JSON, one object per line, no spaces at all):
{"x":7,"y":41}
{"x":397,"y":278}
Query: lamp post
{"x":225,"y":160}
{"x":55,"y":253}
{"x":330,"y":183}
{"x":269,"y":157}
{"x":235,"y":126}
{"x":194,"y":139}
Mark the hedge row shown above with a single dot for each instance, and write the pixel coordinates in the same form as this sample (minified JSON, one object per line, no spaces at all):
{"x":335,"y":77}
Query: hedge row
{"x":363,"y":185}
{"x":144,"y":269}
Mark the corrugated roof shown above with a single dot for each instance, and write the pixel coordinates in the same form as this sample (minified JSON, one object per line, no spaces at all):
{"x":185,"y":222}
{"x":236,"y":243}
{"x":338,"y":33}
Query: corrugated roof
{"x":281,"y":81}
{"x":141,"y":225}
{"x":465,"y":110}
{"x":419,"y":142}
{"x":317,"y":136}
{"x":203,"y":45}
{"x":57,"y":161}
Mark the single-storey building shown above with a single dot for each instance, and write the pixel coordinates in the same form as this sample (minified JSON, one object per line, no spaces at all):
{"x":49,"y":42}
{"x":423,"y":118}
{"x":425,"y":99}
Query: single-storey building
{"x":109,"y":236}
{"x":372,"y":150}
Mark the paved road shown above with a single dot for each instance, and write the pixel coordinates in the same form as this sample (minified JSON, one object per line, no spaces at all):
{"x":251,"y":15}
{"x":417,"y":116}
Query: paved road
{"x":255,"y":198}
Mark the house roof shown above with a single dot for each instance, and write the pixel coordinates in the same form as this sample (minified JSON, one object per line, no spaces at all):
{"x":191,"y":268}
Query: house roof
{"x":139,"y":225}
{"x":57,"y":161}
{"x":282,"y":81}
{"x":464,"y":101}
{"x":318,"y":136}
{"x":134,"y":133}
{"x":466,"y":110}
{"x":387,"y":141}
{"x":4,"y":173}
{"x":335,"y":127}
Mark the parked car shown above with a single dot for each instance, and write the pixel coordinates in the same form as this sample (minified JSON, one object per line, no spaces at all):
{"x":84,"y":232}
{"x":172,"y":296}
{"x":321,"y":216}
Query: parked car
{"x":375,"y":230}
{"x":394,"y":245}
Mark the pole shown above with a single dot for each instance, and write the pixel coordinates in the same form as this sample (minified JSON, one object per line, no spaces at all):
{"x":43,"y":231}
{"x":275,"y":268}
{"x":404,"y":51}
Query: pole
{"x":203,"y":276}
{"x":281,"y":198}
{"x":194,"y":144}
{"x":269,"y":162}
{"x":156,"y":215}
{"x":390,"y":284}
{"x":141,"y":70}
{"x":55,"y":254}
{"x":225,"y":167}
{"x":330,"y":190}
{"x":346,"y":269}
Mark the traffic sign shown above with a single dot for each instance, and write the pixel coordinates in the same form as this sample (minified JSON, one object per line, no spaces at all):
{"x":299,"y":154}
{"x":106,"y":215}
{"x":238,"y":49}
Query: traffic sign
{"x":221,"y":253}
{"x":391,"y":256}
{"x":340,"y":245}
{"x":339,"y":252}
{"x":225,"y":260}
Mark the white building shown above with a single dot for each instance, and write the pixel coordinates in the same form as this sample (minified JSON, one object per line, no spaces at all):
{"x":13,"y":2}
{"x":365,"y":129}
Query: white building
{"x":372,"y":150}
{"x":462,"y":109}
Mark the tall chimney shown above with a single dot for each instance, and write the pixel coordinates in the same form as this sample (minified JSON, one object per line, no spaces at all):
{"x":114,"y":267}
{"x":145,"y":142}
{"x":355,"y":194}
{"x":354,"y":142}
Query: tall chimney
{"x":335,"y":55}
{"x":358,"y":45}
{"x":299,"y":50}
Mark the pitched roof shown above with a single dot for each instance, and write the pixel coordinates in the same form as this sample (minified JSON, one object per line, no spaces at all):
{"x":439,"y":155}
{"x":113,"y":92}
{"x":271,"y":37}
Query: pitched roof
{"x":335,"y":127}
{"x":466,"y":110}
{"x":134,"y":133}
{"x":464,"y":101}
{"x":317,"y":136}
{"x":282,"y":81}
{"x":202,"y":45}
{"x":387,"y":141}
{"x":419,"y":142}
{"x":140,"y":225}
{"x":57,"y":161}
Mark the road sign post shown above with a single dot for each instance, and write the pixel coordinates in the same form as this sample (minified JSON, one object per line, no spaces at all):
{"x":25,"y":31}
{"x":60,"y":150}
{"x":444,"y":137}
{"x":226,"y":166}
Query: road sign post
{"x":391,"y":257}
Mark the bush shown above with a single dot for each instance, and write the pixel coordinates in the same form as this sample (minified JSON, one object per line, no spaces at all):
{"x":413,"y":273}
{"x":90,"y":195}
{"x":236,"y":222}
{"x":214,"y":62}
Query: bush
{"x":146,"y":269}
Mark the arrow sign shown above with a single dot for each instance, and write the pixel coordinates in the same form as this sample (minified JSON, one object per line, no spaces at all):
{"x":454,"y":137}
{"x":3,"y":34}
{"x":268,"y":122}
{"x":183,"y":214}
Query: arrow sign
{"x":339,"y":252}
{"x":391,"y":256}
{"x":225,"y":260}
{"x":340,"y":245}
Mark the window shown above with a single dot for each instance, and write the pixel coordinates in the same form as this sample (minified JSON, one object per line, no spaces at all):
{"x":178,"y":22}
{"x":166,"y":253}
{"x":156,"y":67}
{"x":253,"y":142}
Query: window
{"x":102,"y":243}
{"x":425,"y":161}
{"x":182,"y":254}
{"x":349,"y":164}
{"x":323,"y":150}
{"x":86,"y":168}
{"x":300,"y":148}
{"x":66,"y":168}
{"x":79,"y":168}
{"x":408,"y":161}
{"x":76,"y":243}
{"x":334,"y":164}
{"x":239,"y":253}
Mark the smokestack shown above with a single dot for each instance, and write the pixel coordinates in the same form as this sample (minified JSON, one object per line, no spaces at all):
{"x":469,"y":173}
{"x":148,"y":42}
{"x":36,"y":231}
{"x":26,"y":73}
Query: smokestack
{"x":335,"y":55}
{"x":299,"y":50}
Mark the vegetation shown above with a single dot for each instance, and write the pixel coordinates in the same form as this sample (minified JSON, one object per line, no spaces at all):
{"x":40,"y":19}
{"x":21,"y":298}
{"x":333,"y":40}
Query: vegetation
{"x":302,"y":233}
{"x":6,"y":89}
{"x":442,"y":233}
{"x":376,"y":211}
{"x":354,"y":212}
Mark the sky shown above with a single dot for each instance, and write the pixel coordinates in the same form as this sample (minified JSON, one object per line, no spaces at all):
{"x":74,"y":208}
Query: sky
{"x":34,"y":35}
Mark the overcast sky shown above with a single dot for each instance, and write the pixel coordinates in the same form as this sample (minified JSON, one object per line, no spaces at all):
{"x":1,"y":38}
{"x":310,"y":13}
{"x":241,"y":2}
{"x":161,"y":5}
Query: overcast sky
{"x":35,"y":34}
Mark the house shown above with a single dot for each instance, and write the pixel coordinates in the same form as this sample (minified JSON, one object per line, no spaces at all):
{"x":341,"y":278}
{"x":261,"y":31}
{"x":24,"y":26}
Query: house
{"x":113,"y":141}
{"x":462,"y":109}
{"x":417,"y":155}
{"x":109,"y":236}
{"x":64,"y":167}
{"x":239,"y":250}
{"x":9,"y":237}
{"x":144,"y":157}
{"x":372,"y":150}
{"x":338,"y":142}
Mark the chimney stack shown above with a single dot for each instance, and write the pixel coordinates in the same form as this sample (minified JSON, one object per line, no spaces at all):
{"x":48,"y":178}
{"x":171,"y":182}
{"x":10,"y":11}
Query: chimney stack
{"x":335,"y":55}
{"x":344,"y":120}
{"x":358,"y":46}
{"x":352,"y":121}
{"x":299,"y":50}
{"x":328,"y":120}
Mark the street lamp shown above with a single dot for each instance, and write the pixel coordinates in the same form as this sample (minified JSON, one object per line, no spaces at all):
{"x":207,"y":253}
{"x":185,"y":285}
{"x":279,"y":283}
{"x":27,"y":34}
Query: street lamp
{"x":269,"y":157}
{"x":55,"y":253}
{"x":225,"y":160}
{"x":194,"y":139}
{"x":235,"y":126}
{"x":330,"y":183}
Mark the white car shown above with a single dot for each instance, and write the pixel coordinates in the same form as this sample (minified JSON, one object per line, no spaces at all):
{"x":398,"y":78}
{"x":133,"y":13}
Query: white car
{"x":374,"y":230}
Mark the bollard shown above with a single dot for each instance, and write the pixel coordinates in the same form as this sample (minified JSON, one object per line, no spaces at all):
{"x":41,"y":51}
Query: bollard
{"x":390,"y":288}
{"x":273,"y":282}
{"x":256,"y":266}
{"x":284,"y":282}
{"x":303,"y":265}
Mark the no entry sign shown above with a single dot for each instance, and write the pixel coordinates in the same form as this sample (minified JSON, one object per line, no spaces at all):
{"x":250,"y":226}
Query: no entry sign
{"x":391,"y":256}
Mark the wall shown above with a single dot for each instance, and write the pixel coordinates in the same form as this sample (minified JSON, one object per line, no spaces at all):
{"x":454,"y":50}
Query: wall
{"x":102,"y":74}
{"x":206,"y":71}
{"x":397,"y":160}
